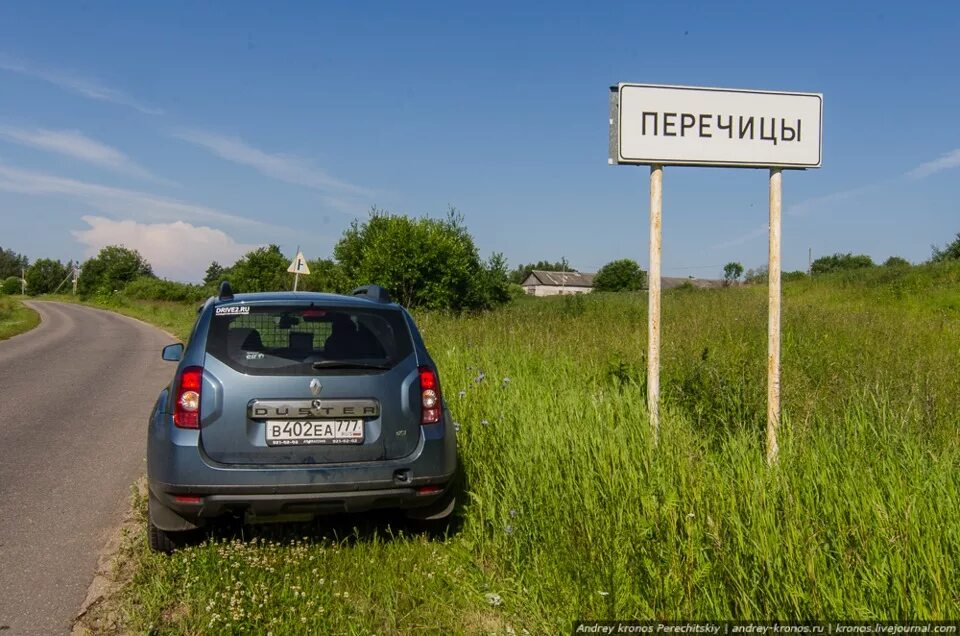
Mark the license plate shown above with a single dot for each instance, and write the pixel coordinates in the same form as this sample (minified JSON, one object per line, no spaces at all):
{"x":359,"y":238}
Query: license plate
{"x":305,"y":432}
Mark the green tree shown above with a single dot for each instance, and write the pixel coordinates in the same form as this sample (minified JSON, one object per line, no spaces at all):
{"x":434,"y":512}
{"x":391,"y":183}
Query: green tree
{"x":732,"y":272}
{"x":45,"y":275}
{"x":520,"y":273}
{"x":111,"y":269}
{"x":423,"y":262}
{"x":620,"y":275}
{"x":950,"y":251}
{"x":325,"y":276}
{"x":11,"y":263}
{"x":11,"y":285}
{"x":896,"y":261}
{"x":215,"y":274}
{"x":840,"y":262}
{"x":263,"y":269}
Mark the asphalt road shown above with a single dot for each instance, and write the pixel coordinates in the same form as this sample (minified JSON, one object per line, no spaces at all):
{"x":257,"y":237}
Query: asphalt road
{"x":75,"y":394}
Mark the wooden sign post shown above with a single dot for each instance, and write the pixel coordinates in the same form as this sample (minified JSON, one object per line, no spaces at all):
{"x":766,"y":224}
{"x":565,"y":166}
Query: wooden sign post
{"x":691,"y":126}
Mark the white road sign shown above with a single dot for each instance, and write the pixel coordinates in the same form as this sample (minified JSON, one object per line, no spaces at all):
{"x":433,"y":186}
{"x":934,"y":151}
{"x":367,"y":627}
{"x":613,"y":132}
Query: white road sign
{"x":685,"y":125}
{"x":299,"y":265}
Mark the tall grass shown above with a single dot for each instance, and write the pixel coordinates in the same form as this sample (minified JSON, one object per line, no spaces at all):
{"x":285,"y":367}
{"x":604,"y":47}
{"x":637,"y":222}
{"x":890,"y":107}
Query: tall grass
{"x":573,"y":512}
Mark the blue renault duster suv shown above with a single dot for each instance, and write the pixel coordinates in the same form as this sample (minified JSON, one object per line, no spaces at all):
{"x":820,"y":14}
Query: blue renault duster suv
{"x":291,"y":404}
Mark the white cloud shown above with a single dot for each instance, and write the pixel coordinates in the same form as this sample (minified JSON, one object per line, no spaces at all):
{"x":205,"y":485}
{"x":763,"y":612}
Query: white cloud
{"x":178,"y":250}
{"x":945,"y":162}
{"x":75,"y":144}
{"x":118,"y":201}
{"x":70,"y":81}
{"x":288,"y":168}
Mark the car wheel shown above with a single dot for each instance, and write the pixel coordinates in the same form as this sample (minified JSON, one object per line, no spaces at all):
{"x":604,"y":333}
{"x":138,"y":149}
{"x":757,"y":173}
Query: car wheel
{"x":163,"y":540}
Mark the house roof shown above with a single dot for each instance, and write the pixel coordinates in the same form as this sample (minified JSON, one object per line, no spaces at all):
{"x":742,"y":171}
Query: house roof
{"x":570,"y":279}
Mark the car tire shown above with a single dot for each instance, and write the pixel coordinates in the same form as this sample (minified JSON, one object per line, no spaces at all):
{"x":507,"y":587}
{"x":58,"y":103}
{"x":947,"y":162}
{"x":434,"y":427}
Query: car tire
{"x":165,"y":541}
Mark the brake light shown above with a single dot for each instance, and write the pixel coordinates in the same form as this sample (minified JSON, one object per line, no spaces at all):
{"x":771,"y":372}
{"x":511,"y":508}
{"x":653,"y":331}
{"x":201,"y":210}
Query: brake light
{"x":186,"y":410}
{"x":429,"y":396}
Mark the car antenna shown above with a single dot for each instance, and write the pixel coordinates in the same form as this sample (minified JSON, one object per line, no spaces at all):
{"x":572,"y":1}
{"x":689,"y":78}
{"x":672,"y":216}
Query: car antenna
{"x":226,"y":292}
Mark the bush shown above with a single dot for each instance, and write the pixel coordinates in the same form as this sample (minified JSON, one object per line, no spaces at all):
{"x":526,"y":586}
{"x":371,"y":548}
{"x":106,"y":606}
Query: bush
{"x":430,"y":263}
{"x":111,"y":269}
{"x":620,"y":275}
{"x":792,"y":276}
{"x":10,"y":285}
{"x":950,"y":251}
{"x":896,"y":261}
{"x":841,"y":262}
{"x":160,"y":289}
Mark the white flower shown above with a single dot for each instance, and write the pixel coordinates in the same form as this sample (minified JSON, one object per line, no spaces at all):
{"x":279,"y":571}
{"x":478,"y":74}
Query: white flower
{"x":493,"y":599}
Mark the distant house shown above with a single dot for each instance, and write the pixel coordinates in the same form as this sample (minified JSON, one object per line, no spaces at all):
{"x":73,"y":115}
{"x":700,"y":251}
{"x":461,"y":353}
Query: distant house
{"x":540,"y":283}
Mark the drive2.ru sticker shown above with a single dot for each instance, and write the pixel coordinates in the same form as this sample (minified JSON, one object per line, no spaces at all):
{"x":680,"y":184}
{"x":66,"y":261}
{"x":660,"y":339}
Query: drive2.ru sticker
{"x":233,"y":310}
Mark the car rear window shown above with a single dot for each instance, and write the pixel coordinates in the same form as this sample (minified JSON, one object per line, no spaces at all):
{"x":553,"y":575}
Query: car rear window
{"x":307,"y":340}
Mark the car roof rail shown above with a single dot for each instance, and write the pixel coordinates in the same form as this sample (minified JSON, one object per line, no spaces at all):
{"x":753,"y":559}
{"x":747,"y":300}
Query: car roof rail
{"x":226,"y":292}
{"x":373,"y":292}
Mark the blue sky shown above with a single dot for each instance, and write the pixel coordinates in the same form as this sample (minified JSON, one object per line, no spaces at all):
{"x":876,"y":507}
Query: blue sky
{"x":193,"y":132}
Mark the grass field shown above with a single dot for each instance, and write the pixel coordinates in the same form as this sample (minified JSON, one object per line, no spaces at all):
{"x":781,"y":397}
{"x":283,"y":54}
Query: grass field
{"x":573,"y":512}
{"x":15,"y":317}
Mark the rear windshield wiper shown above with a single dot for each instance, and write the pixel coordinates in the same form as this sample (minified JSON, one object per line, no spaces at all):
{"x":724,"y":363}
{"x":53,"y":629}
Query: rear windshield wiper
{"x":348,"y":364}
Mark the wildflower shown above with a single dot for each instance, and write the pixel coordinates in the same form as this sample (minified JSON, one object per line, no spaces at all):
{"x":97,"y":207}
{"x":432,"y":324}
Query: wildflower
{"x":456,"y":426}
{"x":506,"y":381}
{"x":513,"y":513}
{"x":484,"y":422}
{"x":493,"y":599}
{"x":602,"y":593}
{"x":480,"y":376}
{"x":462,"y":394}
{"x":690,"y":515}
{"x":508,"y":529}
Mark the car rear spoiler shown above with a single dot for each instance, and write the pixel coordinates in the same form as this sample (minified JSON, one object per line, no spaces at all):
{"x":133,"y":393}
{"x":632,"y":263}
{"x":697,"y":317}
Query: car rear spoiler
{"x":373,"y":292}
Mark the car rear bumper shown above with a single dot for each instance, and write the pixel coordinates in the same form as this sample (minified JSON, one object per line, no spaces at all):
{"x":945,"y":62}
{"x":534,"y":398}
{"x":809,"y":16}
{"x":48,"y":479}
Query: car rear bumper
{"x":174,"y":513}
{"x":179,"y":472}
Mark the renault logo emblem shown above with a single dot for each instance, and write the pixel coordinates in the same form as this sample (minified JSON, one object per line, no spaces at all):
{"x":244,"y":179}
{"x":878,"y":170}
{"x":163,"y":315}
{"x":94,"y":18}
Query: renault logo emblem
{"x":315,"y":386}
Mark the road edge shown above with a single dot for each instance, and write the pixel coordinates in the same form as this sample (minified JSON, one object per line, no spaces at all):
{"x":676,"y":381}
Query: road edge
{"x":39,"y":320}
{"x":100,"y":612}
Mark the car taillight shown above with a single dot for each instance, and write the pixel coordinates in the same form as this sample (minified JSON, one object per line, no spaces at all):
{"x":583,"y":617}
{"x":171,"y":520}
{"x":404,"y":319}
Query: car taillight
{"x":186,"y":410}
{"x":429,"y":396}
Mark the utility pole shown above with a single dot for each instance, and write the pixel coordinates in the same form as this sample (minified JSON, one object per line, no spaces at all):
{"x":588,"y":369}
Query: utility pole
{"x":563,"y":275}
{"x":809,"y":261}
{"x":76,"y":275}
